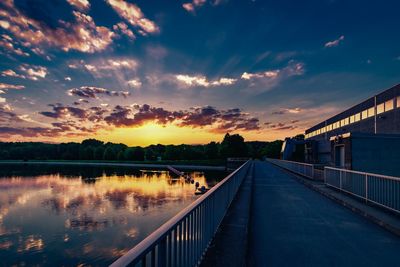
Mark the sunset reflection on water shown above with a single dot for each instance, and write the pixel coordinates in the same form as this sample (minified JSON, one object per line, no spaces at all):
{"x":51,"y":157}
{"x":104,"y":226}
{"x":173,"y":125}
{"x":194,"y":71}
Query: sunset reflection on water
{"x":57,"y":218}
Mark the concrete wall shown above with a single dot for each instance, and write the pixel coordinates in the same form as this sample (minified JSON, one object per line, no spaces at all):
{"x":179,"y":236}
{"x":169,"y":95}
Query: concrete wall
{"x":376,"y":154}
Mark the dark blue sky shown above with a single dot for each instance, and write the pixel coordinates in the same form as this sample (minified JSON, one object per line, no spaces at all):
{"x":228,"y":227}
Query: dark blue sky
{"x":266,"y":69}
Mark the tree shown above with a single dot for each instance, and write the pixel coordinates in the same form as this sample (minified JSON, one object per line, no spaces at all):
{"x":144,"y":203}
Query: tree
{"x":109,"y":154}
{"x":99,"y":153}
{"x":211,"y":150}
{"x":129,"y":153}
{"x":149,"y":154}
{"x":120,"y":155}
{"x":233,"y":146}
{"x":92,"y":142}
{"x":172,"y":153}
{"x":138,"y":153}
{"x":272,"y":149}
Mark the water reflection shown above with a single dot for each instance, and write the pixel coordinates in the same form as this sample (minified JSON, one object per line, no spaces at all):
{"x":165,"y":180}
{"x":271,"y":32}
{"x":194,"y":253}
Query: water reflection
{"x":71,"y":216}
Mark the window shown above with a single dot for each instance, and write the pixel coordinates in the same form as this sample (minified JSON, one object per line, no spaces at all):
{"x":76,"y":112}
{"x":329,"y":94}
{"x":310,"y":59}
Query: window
{"x":380,"y":108}
{"x":371,"y":112}
{"x":389,"y":105}
{"x":357,"y":117}
{"x":398,"y":102}
{"x":364,"y":114}
{"x":337,"y":124}
{"x":352,"y":118}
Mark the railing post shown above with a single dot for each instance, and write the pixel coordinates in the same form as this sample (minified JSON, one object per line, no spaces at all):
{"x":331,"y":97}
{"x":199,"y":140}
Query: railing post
{"x":340,"y":179}
{"x":366,"y":188}
{"x":312,"y":171}
{"x":162,"y":253}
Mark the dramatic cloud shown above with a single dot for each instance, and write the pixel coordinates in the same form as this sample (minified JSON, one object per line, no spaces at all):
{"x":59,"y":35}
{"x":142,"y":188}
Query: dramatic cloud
{"x":123,"y":28}
{"x":281,"y":126}
{"x":287,"y":110}
{"x":200,"y":117}
{"x":220,"y":120}
{"x":135,"y":83}
{"x":93,"y":92}
{"x":60,"y":111}
{"x":293,"y":68}
{"x":6,"y":42}
{"x":266,"y":80}
{"x":11,"y":73}
{"x":11,"y":86}
{"x":202,"y":81}
{"x":335,"y":42}
{"x":82,"y":34}
{"x":192,"y":6}
{"x":208,"y":118}
{"x":266,"y":74}
{"x":106,"y":67}
{"x":82,"y":5}
{"x":134,"y":15}
{"x":33,"y":72}
{"x":7,"y":116}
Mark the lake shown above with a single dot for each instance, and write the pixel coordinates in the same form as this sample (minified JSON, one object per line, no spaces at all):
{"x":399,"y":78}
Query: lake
{"x":88,"y":216}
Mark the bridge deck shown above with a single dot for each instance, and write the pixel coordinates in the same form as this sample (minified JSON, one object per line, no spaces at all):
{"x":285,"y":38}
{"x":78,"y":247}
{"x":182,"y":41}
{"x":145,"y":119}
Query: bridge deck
{"x":291,"y":225}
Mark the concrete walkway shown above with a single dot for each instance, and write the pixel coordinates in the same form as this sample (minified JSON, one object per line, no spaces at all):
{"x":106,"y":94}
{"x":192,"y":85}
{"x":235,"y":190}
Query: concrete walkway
{"x":291,"y":225}
{"x":228,"y":247}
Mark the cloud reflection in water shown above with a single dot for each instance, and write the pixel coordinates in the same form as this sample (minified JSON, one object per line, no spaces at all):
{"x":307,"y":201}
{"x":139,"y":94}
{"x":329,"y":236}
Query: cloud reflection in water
{"x":92,"y":217}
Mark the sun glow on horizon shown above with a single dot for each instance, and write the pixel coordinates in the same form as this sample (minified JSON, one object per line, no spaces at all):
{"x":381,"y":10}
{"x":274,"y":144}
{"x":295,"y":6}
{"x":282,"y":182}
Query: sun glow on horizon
{"x":152,"y":133}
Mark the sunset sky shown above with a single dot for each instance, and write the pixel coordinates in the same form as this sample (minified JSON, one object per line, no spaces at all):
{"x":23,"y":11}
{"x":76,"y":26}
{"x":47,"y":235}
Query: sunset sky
{"x":169,"y":71}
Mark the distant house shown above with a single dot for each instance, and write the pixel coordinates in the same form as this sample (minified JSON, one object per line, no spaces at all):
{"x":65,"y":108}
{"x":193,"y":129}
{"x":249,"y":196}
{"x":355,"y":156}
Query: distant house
{"x":365,"y":137}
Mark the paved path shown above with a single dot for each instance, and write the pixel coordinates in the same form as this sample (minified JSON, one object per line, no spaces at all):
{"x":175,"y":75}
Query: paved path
{"x":291,"y":225}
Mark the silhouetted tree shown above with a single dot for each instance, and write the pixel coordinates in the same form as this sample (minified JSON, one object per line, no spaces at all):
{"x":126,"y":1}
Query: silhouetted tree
{"x":233,"y":146}
{"x":272,"y":149}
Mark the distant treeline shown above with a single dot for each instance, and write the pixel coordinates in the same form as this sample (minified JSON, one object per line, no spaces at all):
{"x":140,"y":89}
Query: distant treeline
{"x":92,"y":149}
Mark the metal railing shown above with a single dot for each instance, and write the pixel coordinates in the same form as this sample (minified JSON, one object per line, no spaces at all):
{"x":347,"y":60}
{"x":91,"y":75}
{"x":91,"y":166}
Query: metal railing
{"x":184,"y":239}
{"x":379,"y":189}
{"x":296,"y":167}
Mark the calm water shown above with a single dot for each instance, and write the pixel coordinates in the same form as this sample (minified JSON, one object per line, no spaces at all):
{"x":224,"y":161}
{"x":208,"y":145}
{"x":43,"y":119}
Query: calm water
{"x":70,"y":216}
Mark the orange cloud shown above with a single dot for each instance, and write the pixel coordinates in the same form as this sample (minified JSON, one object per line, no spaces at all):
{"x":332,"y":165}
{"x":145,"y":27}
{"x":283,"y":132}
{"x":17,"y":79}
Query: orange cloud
{"x":134,"y":15}
{"x":81,"y":35}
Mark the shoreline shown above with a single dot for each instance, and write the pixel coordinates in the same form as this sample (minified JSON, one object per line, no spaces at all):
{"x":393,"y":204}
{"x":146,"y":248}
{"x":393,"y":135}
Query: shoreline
{"x":120,"y":164}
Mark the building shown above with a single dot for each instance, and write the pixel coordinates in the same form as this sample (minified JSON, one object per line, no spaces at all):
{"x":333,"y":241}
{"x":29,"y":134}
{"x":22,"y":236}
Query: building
{"x":365,"y":137}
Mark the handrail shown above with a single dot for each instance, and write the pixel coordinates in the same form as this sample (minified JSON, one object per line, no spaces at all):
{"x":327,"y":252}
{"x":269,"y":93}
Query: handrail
{"x":150,"y":242}
{"x":366,"y":173}
{"x":381,"y":190}
{"x":290,"y":161}
{"x":301,"y":168}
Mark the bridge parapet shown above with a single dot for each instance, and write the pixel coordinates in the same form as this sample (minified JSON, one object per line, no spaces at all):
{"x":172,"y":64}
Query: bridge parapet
{"x":378,"y":189}
{"x":305,"y":169}
{"x":183,"y":240}
{"x":381,"y":190}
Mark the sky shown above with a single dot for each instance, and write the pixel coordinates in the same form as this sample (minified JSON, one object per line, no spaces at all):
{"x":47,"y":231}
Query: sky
{"x":146,"y":72}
